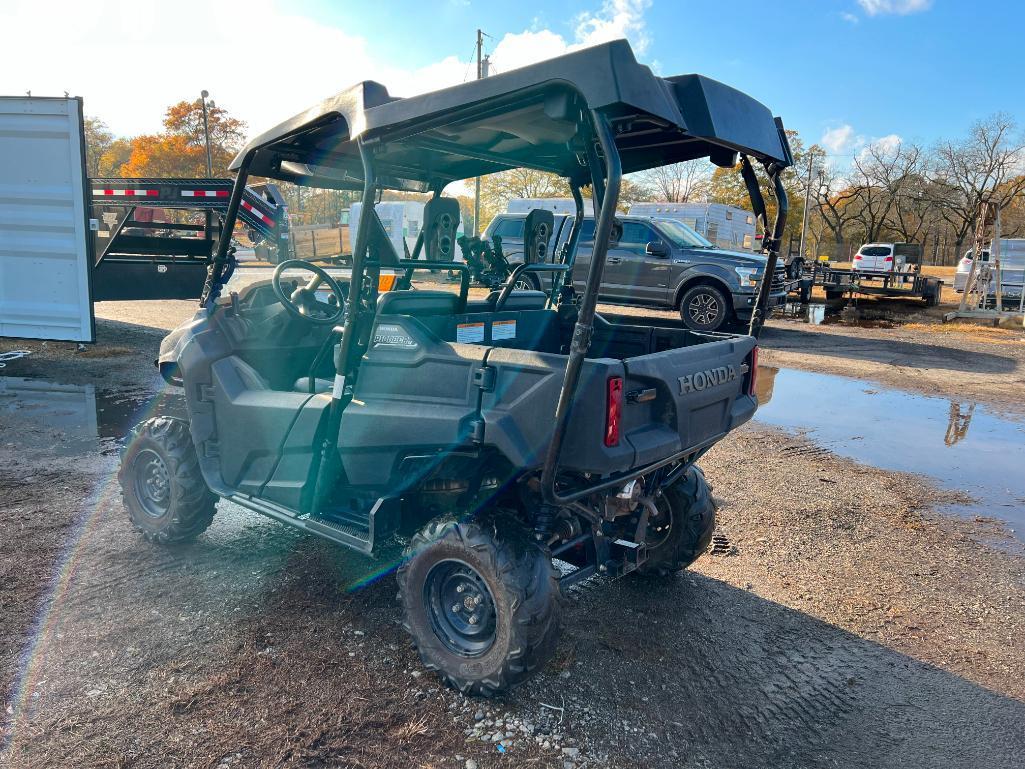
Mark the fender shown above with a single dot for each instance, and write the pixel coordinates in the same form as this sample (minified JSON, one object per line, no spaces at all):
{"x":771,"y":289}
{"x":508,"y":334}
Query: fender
{"x":721,"y":276}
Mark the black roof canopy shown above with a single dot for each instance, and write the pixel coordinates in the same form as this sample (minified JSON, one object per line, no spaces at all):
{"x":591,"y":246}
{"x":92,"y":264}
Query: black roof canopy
{"x":523,"y":118}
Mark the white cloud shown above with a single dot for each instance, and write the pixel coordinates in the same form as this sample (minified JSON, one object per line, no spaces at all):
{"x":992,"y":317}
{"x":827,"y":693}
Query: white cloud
{"x":616,"y":19}
{"x":838,"y":140}
{"x":850,"y":18}
{"x":899,"y":7}
{"x":130,"y":60}
{"x":886,"y":146}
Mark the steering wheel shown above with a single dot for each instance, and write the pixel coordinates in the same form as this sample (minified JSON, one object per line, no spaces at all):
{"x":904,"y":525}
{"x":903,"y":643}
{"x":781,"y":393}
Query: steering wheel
{"x":303,"y":302}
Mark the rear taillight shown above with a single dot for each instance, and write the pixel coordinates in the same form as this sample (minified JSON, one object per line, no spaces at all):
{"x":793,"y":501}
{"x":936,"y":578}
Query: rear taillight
{"x":857,"y":257}
{"x":752,"y":374}
{"x":888,"y":259}
{"x":613,"y":410}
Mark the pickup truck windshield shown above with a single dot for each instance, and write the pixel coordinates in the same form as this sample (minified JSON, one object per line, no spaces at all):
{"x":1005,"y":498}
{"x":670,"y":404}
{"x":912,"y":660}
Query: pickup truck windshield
{"x":682,"y":235}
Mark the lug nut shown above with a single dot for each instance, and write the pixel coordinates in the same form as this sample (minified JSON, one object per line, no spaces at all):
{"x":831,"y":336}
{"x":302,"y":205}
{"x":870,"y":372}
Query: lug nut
{"x":473,"y":619}
{"x":477,"y":600}
{"x":456,"y":607}
{"x":460,"y":588}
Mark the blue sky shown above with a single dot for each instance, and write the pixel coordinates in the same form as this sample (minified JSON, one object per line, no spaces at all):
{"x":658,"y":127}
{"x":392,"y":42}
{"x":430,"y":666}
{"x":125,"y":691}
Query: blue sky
{"x":844,"y":71}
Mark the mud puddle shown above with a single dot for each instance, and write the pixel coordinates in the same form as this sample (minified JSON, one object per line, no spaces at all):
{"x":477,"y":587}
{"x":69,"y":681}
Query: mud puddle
{"x":962,"y":445}
{"x":840,"y":313}
{"x":73,"y":420}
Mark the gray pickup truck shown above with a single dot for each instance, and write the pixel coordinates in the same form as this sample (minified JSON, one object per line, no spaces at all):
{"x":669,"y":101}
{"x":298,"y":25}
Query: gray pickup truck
{"x":659,"y":263}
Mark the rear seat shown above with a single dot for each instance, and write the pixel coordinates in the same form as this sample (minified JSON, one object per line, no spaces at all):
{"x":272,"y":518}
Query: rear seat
{"x":417,"y":303}
{"x":518,"y":300}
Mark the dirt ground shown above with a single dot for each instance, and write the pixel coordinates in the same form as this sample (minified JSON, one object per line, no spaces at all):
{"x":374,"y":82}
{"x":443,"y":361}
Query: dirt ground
{"x":841,"y":621}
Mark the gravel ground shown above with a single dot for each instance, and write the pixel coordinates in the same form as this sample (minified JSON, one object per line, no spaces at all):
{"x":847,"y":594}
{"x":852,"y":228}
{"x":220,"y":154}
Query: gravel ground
{"x":840,"y":621}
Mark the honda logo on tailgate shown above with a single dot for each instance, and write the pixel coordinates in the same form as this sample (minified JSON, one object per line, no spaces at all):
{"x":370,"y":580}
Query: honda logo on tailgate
{"x":701,"y":380}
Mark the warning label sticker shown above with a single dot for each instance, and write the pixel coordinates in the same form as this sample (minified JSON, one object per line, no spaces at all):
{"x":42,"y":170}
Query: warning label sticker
{"x":469,"y":333}
{"x":503,"y":329}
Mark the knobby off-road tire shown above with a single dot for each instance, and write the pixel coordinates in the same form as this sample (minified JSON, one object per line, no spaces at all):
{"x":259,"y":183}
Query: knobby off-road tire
{"x":490,"y":569}
{"x":161,"y":484}
{"x":687,"y":508}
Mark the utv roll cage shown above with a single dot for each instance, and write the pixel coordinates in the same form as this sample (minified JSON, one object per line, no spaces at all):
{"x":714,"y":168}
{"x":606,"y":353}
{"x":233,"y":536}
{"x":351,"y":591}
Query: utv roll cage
{"x":588,"y":116}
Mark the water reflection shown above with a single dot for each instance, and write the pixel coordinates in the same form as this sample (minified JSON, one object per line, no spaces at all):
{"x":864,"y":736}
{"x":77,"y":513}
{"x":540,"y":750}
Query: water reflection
{"x":957,"y":426}
{"x":899,"y":430}
{"x":76,"y":419}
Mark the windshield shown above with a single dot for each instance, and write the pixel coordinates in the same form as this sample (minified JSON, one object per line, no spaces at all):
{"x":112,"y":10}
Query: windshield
{"x":875,"y":251}
{"x":682,"y":235}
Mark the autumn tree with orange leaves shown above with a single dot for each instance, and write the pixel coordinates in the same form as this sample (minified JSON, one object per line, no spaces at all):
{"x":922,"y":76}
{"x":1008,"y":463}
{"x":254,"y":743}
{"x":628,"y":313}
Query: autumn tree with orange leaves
{"x":180,"y":151}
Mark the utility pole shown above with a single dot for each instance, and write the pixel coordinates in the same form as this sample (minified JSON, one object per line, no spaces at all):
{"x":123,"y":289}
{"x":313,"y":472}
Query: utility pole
{"x":206,"y":130}
{"x":807,"y":203}
{"x":482,"y":72}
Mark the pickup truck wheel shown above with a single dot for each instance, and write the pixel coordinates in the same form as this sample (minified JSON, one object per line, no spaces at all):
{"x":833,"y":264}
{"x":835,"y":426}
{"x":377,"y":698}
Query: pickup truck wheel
{"x":481,"y":602}
{"x":704,"y":308}
{"x":162,"y":487}
{"x":527,"y":282}
{"x":682,"y":530}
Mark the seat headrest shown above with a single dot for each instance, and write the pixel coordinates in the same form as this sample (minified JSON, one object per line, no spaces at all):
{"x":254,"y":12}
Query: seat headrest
{"x":521,"y":300}
{"x":417,"y":303}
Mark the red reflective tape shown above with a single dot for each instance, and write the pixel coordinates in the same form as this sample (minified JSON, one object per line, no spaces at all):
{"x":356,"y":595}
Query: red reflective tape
{"x":256,"y":212}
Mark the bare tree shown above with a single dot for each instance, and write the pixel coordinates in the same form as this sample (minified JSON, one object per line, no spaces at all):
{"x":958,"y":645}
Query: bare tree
{"x":679,"y":182}
{"x":883,"y":174}
{"x":987,"y":167}
{"x":832,"y":200}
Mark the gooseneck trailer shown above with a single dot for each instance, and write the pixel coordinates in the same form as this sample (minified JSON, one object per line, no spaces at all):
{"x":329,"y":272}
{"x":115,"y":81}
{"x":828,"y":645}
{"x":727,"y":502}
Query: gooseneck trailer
{"x":154,"y":237}
{"x":491,"y":438}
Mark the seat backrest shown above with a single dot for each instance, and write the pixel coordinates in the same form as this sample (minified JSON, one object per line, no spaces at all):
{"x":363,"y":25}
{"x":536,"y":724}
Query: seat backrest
{"x":520,"y":300}
{"x":417,"y":303}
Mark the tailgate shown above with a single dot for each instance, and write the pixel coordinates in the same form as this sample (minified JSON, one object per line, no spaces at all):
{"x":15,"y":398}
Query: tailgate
{"x":697,"y":396}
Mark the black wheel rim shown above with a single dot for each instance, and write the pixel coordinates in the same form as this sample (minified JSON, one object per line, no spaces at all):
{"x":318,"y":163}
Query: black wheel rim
{"x":660,"y":526}
{"x":703,"y":309}
{"x":152,"y":483}
{"x":460,"y":607}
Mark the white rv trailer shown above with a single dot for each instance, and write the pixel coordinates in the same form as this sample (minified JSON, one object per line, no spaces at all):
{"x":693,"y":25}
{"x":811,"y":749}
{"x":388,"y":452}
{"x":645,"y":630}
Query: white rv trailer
{"x":555,"y":205}
{"x":726,"y":226}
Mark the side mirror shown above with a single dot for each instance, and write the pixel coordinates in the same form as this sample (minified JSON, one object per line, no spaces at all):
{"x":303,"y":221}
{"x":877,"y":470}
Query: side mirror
{"x":657,"y":248}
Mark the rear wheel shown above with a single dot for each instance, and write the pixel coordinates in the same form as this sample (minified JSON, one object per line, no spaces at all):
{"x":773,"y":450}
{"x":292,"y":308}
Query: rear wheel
{"x":482,"y":603}
{"x":704,"y":308}
{"x":161,"y":484}
{"x":681,"y":531}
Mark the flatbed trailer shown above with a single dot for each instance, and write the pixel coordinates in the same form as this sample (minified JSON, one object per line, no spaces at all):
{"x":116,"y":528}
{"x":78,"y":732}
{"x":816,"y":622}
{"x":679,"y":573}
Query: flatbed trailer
{"x":138,"y":255}
{"x":836,"y":283}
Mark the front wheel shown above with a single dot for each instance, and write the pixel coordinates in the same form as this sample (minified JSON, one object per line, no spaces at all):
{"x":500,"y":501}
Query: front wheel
{"x":161,"y":484}
{"x":704,"y":308}
{"x":682,"y":529}
{"x":482,"y":603}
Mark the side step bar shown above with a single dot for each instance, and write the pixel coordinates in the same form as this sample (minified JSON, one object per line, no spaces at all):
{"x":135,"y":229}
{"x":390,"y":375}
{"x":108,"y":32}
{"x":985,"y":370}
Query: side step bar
{"x":383,"y":520}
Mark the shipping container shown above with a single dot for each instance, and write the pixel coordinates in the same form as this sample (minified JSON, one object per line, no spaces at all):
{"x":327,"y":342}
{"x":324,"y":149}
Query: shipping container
{"x":46,"y":251}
